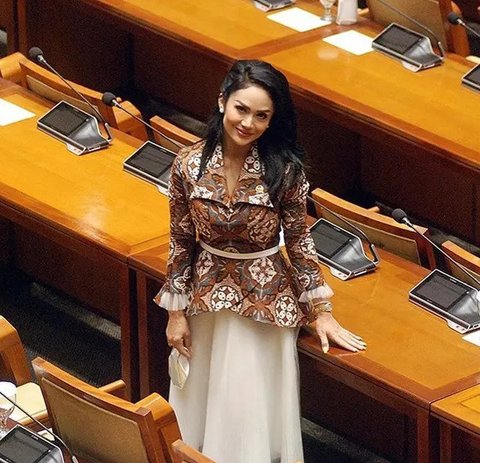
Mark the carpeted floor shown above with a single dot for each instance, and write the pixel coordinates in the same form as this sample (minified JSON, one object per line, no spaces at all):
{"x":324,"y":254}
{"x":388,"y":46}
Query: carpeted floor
{"x":57,"y":329}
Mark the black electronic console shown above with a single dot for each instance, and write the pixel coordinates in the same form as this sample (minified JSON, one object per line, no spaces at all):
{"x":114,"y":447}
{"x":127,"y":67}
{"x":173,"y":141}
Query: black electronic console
{"x":77,"y":128}
{"x":408,"y":46}
{"x":472,"y":78}
{"x":340,"y":250}
{"x":449,"y":298}
{"x":152,"y":163}
{"x":21,"y":445}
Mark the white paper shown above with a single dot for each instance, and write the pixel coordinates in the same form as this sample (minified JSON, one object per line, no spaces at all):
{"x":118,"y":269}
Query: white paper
{"x":351,"y":41}
{"x":298,"y":19}
{"x":10,"y":113}
{"x":473,"y":337}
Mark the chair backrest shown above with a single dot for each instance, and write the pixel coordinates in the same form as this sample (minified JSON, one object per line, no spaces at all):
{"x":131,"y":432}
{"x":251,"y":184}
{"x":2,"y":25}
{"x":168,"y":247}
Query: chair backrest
{"x":100,"y":427}
{"x":465,"y":258}
{"x":42,"y":82}
{"x":13,"y":360}
{"x":172,"y":131}
{"x":430,"y":13}
{"x":186,"y":454}
{"x":383,"y":231}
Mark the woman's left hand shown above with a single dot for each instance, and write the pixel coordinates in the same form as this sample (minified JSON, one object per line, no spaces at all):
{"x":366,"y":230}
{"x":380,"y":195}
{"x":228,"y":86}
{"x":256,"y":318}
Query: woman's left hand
{"x":329,"y":330}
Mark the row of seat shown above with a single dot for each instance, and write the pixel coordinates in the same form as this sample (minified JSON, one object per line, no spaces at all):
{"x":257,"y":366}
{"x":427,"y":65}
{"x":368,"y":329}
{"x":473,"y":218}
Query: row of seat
{"x":17,"y":68}
{"x":97,"y":424}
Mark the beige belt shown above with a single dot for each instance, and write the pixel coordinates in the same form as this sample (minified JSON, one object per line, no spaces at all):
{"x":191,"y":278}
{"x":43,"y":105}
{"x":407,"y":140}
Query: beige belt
{"x":239,"y":255}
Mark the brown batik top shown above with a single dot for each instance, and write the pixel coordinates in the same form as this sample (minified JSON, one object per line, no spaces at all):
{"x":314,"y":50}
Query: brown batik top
{"x":268,"y":289}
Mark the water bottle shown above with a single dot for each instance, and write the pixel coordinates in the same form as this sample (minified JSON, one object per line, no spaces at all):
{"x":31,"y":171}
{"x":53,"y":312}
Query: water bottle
{"x":347,"y":12}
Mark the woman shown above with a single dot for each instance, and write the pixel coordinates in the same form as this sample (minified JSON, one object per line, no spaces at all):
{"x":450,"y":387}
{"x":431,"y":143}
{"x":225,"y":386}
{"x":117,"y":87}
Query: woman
{"x":235,"y":303}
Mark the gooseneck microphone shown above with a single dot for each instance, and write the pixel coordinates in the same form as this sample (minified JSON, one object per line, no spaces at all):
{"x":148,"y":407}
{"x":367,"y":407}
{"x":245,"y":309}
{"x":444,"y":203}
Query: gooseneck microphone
{"x":456,"y":20}
{"x":111,"y":100}
{"x":376,"y":258}
{"x":36,"y":54}
{"x":401,"y":217}
{"x":417,"y":23}
{"x":55,"y":437}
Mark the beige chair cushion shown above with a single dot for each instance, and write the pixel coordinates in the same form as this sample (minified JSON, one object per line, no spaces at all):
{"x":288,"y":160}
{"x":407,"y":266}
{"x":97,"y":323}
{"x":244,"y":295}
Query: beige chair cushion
{"x":29,"y":397}
{"x":92,"y":432}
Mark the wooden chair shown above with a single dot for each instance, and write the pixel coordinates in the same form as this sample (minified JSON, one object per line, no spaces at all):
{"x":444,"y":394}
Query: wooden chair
{"x":181,"y":136}
{"x":383,"y":231}
{"x":185,"y":454}
{"x":431,"y":13}
{"x":19,"y":69}
{"x":14,"y":367}
{"x":98,"y":426}
{"x":465,"y":258}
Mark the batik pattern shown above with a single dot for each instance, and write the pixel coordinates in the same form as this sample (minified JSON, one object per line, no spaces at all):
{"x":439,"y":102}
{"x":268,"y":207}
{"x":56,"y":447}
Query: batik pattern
{"x":267,"y":289}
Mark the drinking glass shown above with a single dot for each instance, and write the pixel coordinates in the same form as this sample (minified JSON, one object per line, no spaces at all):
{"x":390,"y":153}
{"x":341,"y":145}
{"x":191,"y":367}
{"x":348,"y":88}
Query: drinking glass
{"x":6,"y":408}
{"x":327,"y":12}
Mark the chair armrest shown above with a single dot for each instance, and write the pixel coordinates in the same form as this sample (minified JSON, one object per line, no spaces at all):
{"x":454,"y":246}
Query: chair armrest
{"x":128,"y":124}
{"x":10,"y":67}
{"x":185,"y":453}
{"x":117,"y":388}
{"x":165,"y":421}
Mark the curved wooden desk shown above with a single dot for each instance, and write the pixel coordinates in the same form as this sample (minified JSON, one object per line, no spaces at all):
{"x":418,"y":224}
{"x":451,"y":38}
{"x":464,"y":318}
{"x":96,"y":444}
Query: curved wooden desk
{"x":74,"y":220}
{"x":381,"y":397}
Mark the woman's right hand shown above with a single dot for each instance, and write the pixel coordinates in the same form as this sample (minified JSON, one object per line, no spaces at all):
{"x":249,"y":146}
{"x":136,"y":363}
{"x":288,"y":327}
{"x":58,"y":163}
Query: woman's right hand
{"x":178,"y":333}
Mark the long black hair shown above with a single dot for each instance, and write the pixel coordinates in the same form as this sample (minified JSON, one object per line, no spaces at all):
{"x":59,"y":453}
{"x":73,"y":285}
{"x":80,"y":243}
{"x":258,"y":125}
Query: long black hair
{"x":278,"y":146}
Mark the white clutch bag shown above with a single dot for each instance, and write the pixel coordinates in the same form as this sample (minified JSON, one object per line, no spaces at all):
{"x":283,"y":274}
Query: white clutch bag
{"x":178,"y":368}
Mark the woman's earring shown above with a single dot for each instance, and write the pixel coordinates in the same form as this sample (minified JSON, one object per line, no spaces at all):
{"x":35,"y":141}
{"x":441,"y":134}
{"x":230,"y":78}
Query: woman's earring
{"x":221,"y":109}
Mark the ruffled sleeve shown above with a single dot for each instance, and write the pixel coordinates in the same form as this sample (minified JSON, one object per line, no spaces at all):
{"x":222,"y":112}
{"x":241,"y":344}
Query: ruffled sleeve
{"x":300,"y":246}
{"x":175,"y":293}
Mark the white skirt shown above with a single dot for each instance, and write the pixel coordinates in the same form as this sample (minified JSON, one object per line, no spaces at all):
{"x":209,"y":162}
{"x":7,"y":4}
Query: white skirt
{"x":240,"y":403}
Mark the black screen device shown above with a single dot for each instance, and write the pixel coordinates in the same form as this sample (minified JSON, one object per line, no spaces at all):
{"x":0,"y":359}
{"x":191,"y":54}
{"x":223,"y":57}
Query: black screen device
{"x":21,"y":445}
{"x":152,"y":163}
{"x":406,"y":45}
{"x":472,"y":78}
{"x":340,"y":250}
{"x":78,"y":129}
{"x":452,"y":299}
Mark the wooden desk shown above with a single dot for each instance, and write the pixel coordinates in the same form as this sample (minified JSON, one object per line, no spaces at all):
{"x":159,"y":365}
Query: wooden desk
{"x":409,"y":139}
{"x":459,"y":417}
{"x":164,"y":47}
{"x":380,"y":398}
{"x":72,"y":221}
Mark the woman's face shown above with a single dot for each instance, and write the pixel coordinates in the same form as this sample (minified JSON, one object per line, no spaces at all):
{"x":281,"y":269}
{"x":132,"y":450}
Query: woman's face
{"x":247,"y":114}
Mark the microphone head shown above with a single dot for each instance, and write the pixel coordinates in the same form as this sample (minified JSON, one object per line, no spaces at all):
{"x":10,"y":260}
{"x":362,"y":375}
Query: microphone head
{"x":35,"y":54}
{"x":399,"y":215}
{"x":453,"y":18}
{"x":109,"y":99}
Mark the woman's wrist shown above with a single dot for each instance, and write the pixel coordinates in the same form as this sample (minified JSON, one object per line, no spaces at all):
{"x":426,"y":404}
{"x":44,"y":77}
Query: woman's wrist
{"x":322,"y":307}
